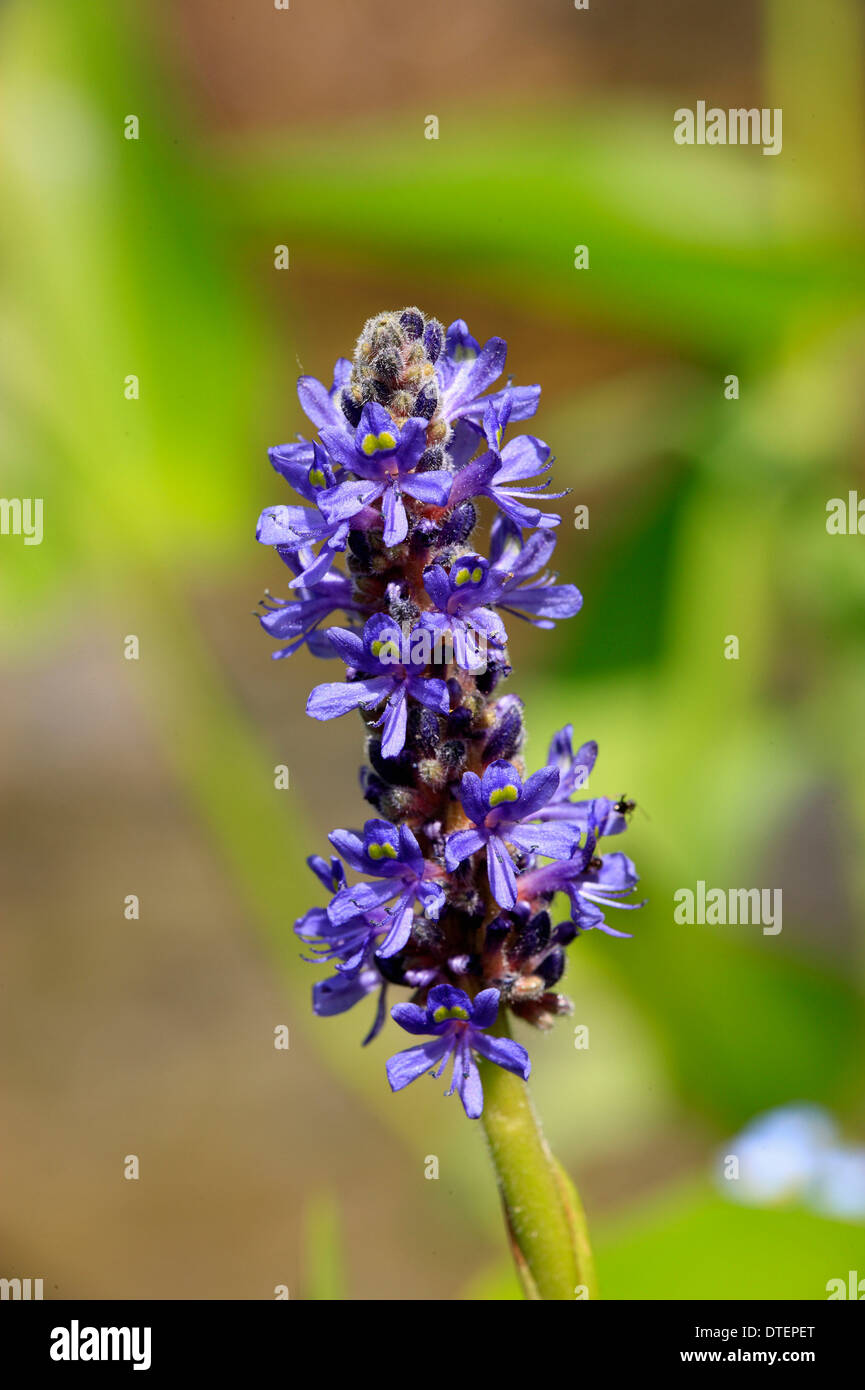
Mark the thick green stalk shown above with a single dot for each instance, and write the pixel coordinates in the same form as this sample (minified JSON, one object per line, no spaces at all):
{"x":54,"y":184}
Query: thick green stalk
{"x":543,"y":1214}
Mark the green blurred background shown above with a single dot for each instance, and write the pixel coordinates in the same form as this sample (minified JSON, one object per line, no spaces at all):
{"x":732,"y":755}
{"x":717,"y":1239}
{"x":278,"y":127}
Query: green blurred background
{"x":154,"y":777}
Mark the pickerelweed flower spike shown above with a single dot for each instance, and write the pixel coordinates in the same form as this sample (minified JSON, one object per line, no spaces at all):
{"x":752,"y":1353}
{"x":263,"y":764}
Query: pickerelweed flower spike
{"x":448,"y":888}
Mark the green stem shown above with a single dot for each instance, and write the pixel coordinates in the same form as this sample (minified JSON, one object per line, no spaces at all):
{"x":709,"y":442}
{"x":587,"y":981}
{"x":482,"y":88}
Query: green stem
{"x":543,"y":1214}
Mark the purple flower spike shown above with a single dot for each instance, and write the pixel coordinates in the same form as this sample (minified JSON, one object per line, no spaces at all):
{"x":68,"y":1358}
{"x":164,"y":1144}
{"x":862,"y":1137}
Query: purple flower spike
{"x":448,"y":888}
{"x":458,"y":1026}
{"x":501,"y":808}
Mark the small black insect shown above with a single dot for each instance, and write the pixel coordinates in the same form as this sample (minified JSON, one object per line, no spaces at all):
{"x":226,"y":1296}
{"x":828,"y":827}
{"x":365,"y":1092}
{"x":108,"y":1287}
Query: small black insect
{"x":624,"y":806}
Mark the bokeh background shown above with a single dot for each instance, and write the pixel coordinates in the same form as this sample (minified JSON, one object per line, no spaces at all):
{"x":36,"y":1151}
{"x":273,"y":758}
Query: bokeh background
{"x":154,"y":1037}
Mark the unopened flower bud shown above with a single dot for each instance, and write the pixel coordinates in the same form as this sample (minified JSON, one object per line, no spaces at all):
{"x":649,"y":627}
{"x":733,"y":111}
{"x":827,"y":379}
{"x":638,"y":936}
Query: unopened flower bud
{"x":459,"y":525}
{"x":413,"y":322}
{"x":433,"y":339}
{"x":507,"y":734}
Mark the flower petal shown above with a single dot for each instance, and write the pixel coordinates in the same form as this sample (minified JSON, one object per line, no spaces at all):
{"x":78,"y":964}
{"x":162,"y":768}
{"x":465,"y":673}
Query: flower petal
{"x":407,"y":1066}
{"x":460,"y":845}
{"x":348,"y":645}
{"x":555,"y":840}
{"x":485,"y":1008}
{"x":475,"y":477}
{"x":431,"y":692}
{"x":333,"y":698}
{"x":394,"y":724}
{"x":472,"y":797}
{"x":537,"y":791}
{"x":395,"y":519}
{"x":500,"y":868}
{"x":467,"y":1082}
{"x":318,"y":404}
{"x":504,"y":1052}
{"x":433,"y":487}
{"x":400,"y":931}
{"x":448,"y":997}
{"x":344,"y":501}
{"x":411,"y":1017}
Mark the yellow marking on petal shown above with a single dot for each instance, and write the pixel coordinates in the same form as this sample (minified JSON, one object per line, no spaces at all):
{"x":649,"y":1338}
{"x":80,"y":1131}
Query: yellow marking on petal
{"x":373,"y":442}
{"x":506,"y":793}
{"x":381,"y":851}
{"x":384,"y":650}
{"x":462,"y":576}
{"x":477,"y":574}
{"x":316,"y":477}
{"x":456,"y":1012}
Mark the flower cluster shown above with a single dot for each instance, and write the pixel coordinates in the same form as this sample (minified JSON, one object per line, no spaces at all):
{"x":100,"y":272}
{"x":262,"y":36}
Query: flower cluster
{"x":448,"y":887}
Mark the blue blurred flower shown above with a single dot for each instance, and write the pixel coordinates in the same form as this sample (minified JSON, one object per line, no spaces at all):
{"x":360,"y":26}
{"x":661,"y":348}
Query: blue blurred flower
{"x":793,"y":1155}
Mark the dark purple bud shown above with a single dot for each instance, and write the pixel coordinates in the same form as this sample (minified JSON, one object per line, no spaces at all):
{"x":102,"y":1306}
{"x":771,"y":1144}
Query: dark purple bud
{"x":497,"y":669}
{"x":423,"y":732}
{"x":398,"y":771}
{"x":359,"y":546}
{"x":400,"y":606}
{"x":565,"y":933}
{"x":412,"y":322}
{"x":459,"y":525}
{"x":433,"y":339}
{"x":496,"y":933}
{"x":460,"y":722}
{"x":425,"y":401}
{"x":386,"y":335}
{"x":424,"y":533}
{"x":373,"y":788}
{"x":468,"y":900}
{"x":351,"y":408}
{"x":534,"y":937}
{"x":552,"y":967}
{"x":392,"y":969}
{"x":427,"y":939}
{"x":506,"y":736}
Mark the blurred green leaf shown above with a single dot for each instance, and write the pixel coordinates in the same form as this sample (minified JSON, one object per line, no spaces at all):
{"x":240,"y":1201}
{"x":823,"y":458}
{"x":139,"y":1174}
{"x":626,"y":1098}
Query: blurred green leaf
{"x":324,"y":1271}
{"x":692,"y":1244}
{"x":681,"y":244}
